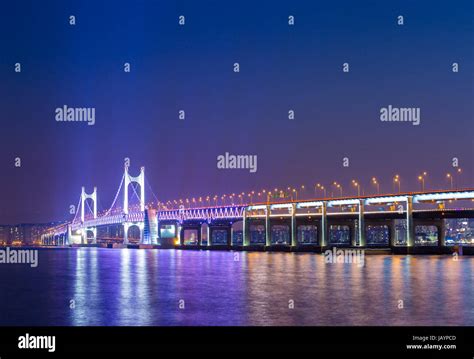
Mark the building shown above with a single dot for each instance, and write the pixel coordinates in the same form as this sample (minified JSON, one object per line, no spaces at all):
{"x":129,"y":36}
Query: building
{"x":23,"y":234}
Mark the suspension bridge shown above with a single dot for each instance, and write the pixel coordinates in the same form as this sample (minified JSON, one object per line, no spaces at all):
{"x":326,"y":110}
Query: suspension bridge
{"x":392,"y":219}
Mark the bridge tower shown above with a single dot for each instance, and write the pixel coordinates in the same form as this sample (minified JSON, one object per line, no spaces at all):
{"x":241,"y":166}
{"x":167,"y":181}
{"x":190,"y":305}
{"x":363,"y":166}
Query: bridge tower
{"x":140,"y":179}
{"x":93,"y":197}
{"x":84,"y":197}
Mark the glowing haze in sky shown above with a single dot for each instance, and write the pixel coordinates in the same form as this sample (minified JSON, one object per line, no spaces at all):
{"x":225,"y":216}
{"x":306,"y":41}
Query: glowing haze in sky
{"x":190,"y":68}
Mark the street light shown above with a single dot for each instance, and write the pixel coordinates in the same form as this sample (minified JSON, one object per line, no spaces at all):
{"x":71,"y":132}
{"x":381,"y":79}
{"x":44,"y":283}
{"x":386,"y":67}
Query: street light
{"x":296,"y":192}
{"x":450,"y":177}
{"x":356,"y":184}
{"x":322,"y":188}
{"x":459,"y":171}
{"x":338,"y":186}
{"x":377,"y":184}
{"x":421,"y":178}
{"x":397,"y":180}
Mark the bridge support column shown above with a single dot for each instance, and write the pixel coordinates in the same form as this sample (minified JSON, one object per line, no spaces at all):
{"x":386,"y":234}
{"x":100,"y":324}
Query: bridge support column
{"x":142,"y":234}
{"x":294,"y":232}
{"x":125,"y":233}
{"x":442,"y":233}
{"x":231,"y":234}
{"x":245,"y":229}
{"x":94,"y":233}
{"x":199,"y":238}
{"x":410,"y":224}
{"x":361,"y":223}
{"x":68,"y":235}
{"x":268,"y":228}
{"x":393,"y":232}
{"x":324,"y":225}
{"x":209,"y":235}
{"x":181,"y":235}
{"x":157,"y":239}
{"x":354,"y":232}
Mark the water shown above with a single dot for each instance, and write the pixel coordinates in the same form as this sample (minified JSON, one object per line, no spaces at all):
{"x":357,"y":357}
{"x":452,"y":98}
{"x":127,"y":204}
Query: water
{"x":144,"y":287}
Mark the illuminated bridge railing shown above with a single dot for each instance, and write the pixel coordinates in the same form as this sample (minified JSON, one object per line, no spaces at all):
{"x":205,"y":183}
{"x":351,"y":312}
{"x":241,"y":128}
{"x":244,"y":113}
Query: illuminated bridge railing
{"x":207,"y":214}
{"x":110,"y":219}
{"x":58,"y":230}
{"x":229,"y":212}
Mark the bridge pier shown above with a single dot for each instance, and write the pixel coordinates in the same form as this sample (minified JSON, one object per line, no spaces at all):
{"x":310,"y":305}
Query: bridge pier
{"x":293,"y":227}
{"x":354,"y":232}
{"x":361,"y":224}
{"x":69,"y":234}
{"x":323,"y":228}
{"x":180,"y":234}
{"x":125,"y":233}
{"x":410,"y":225}
{"x":199,"y":236}
{"x":442,"y":233}
{"x":157,"y":239}
{"x":245,"y":229}
{"x":268,"y":227}
{"x":209,"y":235}
{"x":393,"y":232}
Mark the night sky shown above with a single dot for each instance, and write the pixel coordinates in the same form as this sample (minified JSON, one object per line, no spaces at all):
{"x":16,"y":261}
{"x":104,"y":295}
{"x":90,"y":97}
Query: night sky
{"x":190,"y":68}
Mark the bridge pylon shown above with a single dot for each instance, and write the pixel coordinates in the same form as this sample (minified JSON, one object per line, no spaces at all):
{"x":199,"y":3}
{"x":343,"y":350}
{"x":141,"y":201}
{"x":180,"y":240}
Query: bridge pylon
{"x":93,"y":197}
{"x":140,"y":179}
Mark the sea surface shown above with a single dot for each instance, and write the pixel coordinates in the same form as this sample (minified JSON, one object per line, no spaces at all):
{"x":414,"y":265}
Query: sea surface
{"x":149,"y":287}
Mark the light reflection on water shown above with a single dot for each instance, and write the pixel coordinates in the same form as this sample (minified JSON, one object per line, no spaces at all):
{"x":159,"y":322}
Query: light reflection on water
{"x":144,"y":287}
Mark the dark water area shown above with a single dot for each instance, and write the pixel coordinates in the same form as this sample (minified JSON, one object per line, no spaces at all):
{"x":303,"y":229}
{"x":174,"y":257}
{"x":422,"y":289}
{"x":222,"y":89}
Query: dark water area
{"x":143,"y":287}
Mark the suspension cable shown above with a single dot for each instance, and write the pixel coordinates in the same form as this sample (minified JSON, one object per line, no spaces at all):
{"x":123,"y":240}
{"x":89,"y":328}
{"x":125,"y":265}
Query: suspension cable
{"x":116,"y":196}
{"x":77,"y":209}
{"x":153,"y":193}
